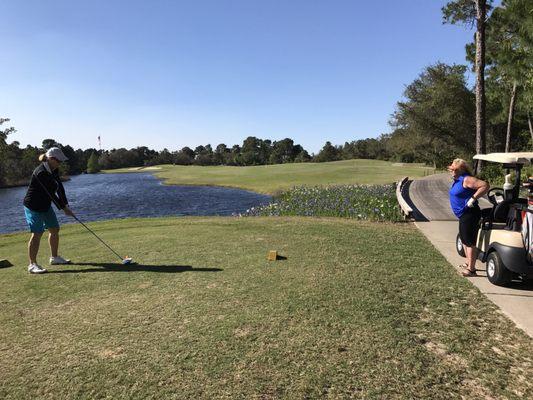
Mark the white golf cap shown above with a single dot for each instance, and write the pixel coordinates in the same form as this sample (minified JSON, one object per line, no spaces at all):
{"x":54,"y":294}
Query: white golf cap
{"x":56,"y":153}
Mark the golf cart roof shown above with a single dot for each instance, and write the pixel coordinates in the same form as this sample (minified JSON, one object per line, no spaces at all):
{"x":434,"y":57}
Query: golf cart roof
{"x":507,"y":158}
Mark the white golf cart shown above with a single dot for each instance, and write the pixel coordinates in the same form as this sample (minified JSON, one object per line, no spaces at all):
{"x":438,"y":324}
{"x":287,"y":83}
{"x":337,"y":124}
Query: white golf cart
{"x":505,"y":236}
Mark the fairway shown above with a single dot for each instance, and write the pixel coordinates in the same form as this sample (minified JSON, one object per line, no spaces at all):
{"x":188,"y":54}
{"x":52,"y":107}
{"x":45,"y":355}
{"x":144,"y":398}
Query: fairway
{"x":270,"y":179}
{"x":357,"y":309}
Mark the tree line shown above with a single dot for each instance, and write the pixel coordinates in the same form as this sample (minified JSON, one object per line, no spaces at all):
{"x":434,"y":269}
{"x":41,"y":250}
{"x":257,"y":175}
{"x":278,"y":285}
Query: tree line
{"x":17,"y":164}
{"x":253,"y":151}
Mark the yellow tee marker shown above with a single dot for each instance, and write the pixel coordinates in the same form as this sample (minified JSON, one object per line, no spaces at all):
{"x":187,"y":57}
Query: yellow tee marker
{"x":273,"y":256}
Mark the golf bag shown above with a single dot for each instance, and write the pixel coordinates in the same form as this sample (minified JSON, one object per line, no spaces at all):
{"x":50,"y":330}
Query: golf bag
{"x":527,"y":223}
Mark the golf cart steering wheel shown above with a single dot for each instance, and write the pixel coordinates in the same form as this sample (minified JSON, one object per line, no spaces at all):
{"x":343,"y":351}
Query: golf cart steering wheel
{"x":492,"y":193}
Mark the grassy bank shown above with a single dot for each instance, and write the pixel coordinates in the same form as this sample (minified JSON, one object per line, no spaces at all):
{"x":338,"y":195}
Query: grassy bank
{"x":273,"y":178}
{"x":206,"y":316}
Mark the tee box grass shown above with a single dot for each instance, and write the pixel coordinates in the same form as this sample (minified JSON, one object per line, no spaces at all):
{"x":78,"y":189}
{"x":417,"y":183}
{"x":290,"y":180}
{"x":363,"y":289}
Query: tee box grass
{"x":357,"y":310}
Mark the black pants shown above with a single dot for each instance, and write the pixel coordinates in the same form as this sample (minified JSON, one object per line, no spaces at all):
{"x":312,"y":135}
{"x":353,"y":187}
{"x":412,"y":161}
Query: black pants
{"x":469,"y":225}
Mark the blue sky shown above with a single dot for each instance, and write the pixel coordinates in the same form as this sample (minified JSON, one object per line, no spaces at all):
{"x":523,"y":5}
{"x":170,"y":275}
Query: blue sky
{"x":184,"y":73}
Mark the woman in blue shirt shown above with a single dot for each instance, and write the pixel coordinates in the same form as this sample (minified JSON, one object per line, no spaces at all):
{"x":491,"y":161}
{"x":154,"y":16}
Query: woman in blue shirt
{"x":465,"y":191}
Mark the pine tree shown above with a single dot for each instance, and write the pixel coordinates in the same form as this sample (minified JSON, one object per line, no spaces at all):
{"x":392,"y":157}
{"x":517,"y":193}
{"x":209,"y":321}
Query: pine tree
{"x":92,"y":164}
{"x":472,"y":12}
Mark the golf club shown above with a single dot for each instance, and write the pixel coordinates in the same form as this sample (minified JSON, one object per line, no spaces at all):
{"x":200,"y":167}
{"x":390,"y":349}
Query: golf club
{"x":124,"y":260}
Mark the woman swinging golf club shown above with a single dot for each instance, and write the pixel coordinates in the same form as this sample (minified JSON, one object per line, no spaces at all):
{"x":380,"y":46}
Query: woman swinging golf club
{"x":465,"y":191}
{"x":45,"y":187}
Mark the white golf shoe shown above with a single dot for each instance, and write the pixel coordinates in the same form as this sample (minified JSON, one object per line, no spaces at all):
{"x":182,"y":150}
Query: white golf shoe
{"x":58,"y":261}
{"x":36,"y":269}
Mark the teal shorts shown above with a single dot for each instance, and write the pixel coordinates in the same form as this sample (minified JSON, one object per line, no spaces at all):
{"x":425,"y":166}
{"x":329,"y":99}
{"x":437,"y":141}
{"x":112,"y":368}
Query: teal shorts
{"x":39,"y":221}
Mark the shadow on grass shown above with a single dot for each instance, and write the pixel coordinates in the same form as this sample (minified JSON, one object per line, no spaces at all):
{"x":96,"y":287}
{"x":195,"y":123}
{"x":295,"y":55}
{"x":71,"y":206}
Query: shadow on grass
{"x":117,"y":267}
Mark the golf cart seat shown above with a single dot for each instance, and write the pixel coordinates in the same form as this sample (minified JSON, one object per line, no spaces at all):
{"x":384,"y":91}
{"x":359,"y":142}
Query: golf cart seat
{"x":486,"y":218}
{"x":514,"y":217}
{"x":486,"y":213}
{"x":501,"y":211}
{"x":506,"y":212}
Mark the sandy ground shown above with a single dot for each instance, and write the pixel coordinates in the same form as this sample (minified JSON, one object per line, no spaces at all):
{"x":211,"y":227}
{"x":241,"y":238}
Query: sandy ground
{"x":143,"y":168}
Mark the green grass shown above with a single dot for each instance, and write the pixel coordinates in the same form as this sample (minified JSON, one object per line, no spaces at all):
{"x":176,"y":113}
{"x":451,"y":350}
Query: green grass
{"x":357,"y":309}
{"x":274,"y":178}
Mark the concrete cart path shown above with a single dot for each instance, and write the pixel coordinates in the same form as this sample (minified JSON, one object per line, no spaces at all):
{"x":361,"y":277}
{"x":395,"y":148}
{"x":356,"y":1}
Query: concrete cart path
{"x":515,"y":301}
{"x":430,"y":196}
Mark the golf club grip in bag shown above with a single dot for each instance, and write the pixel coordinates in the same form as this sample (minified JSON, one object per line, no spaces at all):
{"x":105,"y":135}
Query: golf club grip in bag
{"x":527,"y":237}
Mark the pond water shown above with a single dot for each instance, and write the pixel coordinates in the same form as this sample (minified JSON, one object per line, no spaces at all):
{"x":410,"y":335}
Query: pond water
{"x":108,"y":196}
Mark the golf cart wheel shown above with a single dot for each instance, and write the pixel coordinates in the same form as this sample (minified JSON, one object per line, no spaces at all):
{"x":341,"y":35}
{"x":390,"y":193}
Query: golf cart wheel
{"x":459,"y":246}
{"x":496,"y":271}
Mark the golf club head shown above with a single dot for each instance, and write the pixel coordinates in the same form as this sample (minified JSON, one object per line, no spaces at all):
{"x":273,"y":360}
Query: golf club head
{"x":127,"y":260}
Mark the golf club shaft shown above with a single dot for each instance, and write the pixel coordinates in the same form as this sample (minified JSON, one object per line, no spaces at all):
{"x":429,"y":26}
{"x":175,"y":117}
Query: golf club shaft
{"x":96,"y":236}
